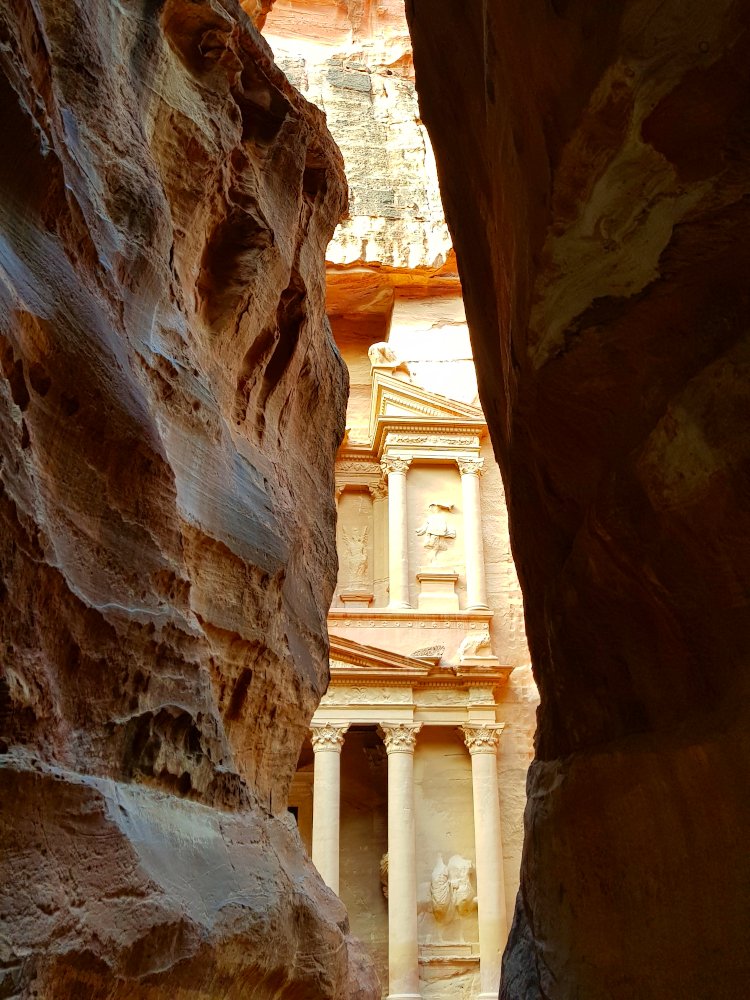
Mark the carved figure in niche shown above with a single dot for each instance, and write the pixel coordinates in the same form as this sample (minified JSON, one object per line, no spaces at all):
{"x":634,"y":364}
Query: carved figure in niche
{"x":475,"y":645}
{"x":356,"y":557}
{"x":464,"y":898}
{"x":440,"y":890}
{"x":451,"y":889}
{"x":436,"y":530}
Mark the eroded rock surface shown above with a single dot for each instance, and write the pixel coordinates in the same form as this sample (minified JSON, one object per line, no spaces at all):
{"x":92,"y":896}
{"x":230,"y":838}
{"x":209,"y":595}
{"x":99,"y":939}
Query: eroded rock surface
{"x":170,"y":403}
{"x":594,"y":166}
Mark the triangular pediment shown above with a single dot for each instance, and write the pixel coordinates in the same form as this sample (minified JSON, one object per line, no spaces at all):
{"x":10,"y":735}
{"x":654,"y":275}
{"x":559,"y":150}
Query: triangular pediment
{"x":397,"y":398}
{"x":346,"y":654}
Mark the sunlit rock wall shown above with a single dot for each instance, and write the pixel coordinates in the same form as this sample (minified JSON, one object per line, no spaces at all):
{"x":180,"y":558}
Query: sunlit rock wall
{"x":594,"y":166}
{"x":353,"y":60}
{"x":170,"y":404}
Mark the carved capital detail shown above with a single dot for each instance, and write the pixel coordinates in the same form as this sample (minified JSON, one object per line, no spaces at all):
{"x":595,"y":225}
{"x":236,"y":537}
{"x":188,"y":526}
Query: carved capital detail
{"x":390,"y":464}
{"x":328,"y":736}
{"x":400,"y":737}
{"x":483,"y":739}
{"x":470,"y":466}
{"x":380,"y":490}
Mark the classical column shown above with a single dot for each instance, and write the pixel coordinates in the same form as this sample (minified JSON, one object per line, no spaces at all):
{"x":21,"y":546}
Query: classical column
{"x":403,"y":949}
{"x":327,"y":741}
{"x":482,"y":741}
{"x":476,"y":588}
{"x":379,"y":494}
{"x":398,"y":542}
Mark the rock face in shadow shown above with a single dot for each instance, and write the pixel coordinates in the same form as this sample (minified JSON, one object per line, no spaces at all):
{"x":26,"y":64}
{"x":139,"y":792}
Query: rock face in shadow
{"x":170,"y":406}
{"x":594,"y":162}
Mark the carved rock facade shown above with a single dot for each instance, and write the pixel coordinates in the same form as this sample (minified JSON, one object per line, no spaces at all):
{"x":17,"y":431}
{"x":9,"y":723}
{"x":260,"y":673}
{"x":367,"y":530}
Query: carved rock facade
{"x":170,"y":406}
{"x":595,"y":167}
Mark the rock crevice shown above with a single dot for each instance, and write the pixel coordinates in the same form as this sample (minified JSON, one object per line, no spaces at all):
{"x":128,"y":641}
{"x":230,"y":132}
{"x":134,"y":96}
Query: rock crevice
{"x":594,"y":165}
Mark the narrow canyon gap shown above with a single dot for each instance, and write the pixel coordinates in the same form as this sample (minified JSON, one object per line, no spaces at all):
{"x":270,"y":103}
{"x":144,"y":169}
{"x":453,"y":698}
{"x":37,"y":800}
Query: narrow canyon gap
{"x":593,"y":161}
{"x":171,"y":402}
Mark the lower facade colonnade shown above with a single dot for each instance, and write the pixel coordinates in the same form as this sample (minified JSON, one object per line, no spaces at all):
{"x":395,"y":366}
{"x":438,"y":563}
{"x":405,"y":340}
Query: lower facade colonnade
{"x":482,"y":742}
{"x":400,"y":738}
{"x":327,"y":741}
{"x":403,"y":941}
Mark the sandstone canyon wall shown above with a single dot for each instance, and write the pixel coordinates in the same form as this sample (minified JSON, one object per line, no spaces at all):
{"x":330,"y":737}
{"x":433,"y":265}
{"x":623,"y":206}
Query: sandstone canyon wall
{"x":593,"y":160}
{"x":171,"y":403}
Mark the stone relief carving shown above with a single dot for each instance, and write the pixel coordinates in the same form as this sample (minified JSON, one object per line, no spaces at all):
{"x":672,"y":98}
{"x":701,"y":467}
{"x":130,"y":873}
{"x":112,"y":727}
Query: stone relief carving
{"x":380,"y":490}
{"x":433,"y":440}
{"x":429,"y":652}
{"x":481,"y":696}
{"x":451,"y":890}
{"x":440,"y":696}
{"x":475,"y":645}
{"x":436,"y":531}
{"x":356,"y":558}
{"x":351,"y":466}
{"x":382,"y":355}
{"x":366,"y":696}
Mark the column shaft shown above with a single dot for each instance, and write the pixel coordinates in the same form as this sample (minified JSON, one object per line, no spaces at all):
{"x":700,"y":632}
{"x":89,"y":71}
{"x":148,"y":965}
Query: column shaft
{"x":403,"y":945}
{"x":493,"y":923}
{"x":398,"y":541}
{"x":476,"y":587}
{"x":379,"y":496}
{"x":327,"y":741}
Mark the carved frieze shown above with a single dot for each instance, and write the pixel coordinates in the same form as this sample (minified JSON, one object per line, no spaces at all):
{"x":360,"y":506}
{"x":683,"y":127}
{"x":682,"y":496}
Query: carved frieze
{"x":367,"y":696}
{"x":481,"y":696}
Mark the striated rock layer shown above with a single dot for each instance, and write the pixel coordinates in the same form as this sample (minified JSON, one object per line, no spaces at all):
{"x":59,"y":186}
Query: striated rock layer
{"x":170,"y":403}
{"x":594,"y":163}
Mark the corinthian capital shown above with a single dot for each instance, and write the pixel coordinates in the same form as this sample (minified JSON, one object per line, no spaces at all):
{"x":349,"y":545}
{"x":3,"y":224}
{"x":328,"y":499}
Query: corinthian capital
{"x":400,"y":737}
{"x":391,"y":464}
{"x":328,"y":736}
{"x":470,"y":466}
{"x":379,"y":491}
{"x":483,"y":739}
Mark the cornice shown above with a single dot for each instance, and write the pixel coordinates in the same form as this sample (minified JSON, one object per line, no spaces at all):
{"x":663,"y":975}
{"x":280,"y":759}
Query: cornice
{"x":408,"y":614}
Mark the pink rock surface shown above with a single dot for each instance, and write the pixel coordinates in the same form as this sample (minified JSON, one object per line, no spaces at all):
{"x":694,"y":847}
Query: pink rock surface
{"x":170,"y":404}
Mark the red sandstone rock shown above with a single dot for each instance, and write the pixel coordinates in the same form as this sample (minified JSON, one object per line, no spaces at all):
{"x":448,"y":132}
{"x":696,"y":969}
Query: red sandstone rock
{"x":594,"y":167}
{"x":170,"y":405}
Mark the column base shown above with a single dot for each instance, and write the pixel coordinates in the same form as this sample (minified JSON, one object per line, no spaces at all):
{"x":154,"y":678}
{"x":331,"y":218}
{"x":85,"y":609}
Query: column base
{"x":488,"y":996}
{"x":400,"y":606}
{"x":414,"y":996}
